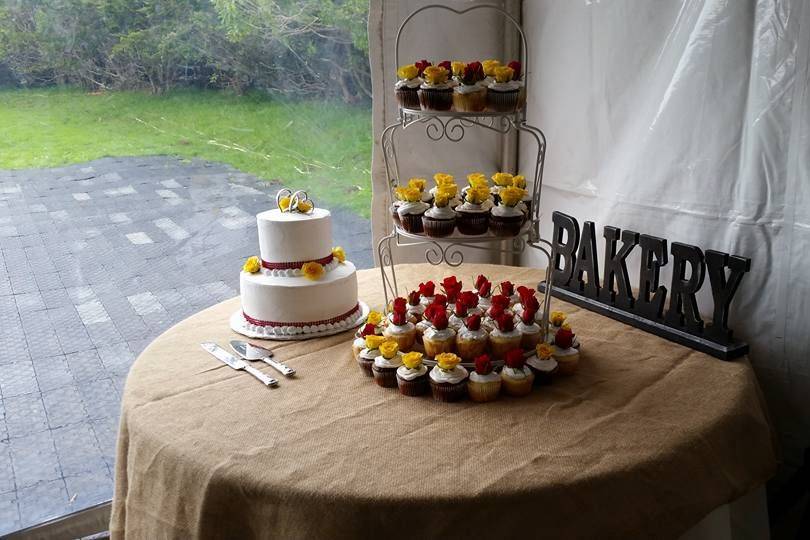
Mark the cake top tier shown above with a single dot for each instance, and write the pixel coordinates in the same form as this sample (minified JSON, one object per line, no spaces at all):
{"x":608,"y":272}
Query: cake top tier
{"x":294,"y":237}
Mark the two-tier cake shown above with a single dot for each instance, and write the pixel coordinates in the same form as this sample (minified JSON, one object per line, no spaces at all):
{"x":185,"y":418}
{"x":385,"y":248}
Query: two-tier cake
{"x":301,"y":285}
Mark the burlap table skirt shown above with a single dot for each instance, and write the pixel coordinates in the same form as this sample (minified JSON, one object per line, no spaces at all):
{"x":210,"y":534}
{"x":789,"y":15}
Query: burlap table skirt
{"x":643,"y":442}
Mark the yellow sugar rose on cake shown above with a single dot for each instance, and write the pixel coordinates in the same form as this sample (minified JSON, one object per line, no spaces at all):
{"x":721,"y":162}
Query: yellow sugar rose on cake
{"x":543,"y":364}
{"x":448,"y":378}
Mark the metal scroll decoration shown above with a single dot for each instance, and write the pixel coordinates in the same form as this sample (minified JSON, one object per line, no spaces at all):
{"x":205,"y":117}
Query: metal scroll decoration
{"x":576,"y":278}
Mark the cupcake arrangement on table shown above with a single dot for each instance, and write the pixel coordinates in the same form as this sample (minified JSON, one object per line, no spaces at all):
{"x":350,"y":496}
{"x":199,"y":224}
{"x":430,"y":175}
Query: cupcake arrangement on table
{"x":501,"y":208}
{"x":464,"y":87}
{"x":458,"y":343}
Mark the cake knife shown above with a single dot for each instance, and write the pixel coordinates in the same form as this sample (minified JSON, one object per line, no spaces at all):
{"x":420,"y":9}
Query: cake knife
{"x":224,"y":356}
{"x":249,"y":351}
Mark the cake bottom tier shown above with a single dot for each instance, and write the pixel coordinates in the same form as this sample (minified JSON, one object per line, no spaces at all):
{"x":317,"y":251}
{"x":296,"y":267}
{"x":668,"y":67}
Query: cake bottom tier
{"x":273,"y":301}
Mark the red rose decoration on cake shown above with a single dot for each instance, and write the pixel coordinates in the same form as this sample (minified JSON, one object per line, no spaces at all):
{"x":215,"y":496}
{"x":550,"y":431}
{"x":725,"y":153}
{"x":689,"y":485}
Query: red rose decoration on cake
{"x":461,"y":309}
{"x":413,"y":298}
{"x":524,"y":293}
{"x":473,"y":322}
{"x":440,"y":299}
{"x":432,"y":310}
{"x":483,"y":365}
{"x":469,"y":298}
{"x":368,"y":330}
{"x":514,"y":359}
{"x":421,"y":65}
{"x":495,"y":313}
{"x":564,"y":338}
{"x":532,"y":303}
{"x":505,"y":322}
{"x":480,"y":281}
{"x":427,"y":289}
{"x":473,"y":72}
{"x":446,"y":65}
{"x":452,"y":288}
{"x":484,"y":289}
{"x":507,"y":289}
{"x":440,"y":320}
{"x":515,"y":65}
{"x":399,"y":318}
{"x":500,"y":301}
{"x":528,"y":316}
{"x":400,"y":305}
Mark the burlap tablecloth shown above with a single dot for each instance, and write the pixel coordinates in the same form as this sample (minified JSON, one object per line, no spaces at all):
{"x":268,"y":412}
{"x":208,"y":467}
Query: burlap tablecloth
{"x":644,"y":441}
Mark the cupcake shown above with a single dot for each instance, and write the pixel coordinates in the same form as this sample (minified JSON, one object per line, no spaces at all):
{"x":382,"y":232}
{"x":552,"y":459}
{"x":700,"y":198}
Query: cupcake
{"x":517,"y":68}
{"x":555,"y":321}
{"x":448,"y":65}
{"x":473,"y":215}
{"x":407,"y":86}
{"x":359,"y":342}
{"x":530,"y":334}
{"x":371,"y":351}
{"x":452,"y":288}
{"x":525,"y":205}
{"x":471,"y":339}
{"x":516,"y":377}
{"x":508,"y":290}
{"x":427,"y":318}
{"x":400,"y":329}
{"x":476,"y":180}
{"x":421,"y":185}
{"x":564,"y":353}
{"x":484,"y":384}
{"x":457,"y":317}
{"x":501,"y":180}
{"x":502,"y":93}
{"x":415,"y":308}
{"x":470,"y":299}
{"x":469,"y":96}
{"x":542,"y":364}
{"x":440,"y":220}
{"x":439,"y":338}
{"x":507,"y":219}
{"x":504,"y":338}
{"x":412,"y":375}
{"x":526,"y":299}
{"x":448,"y":378}
{"x":427,"y":290}
{"x":411,"y":209}
{"x":489,"y":72}
{"x":386,"y":365}
{"x":435,"y":93}
{"x":484,"y":288}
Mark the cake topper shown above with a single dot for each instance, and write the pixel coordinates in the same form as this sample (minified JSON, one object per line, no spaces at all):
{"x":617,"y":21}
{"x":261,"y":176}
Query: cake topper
{"x":298,"y":201}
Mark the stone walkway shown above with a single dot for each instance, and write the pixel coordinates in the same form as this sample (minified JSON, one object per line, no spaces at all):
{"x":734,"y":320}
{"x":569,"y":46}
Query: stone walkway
{"x":96,"y":260}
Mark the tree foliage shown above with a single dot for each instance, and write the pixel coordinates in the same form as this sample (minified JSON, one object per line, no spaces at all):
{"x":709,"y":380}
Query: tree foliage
{"x":301,"y":48}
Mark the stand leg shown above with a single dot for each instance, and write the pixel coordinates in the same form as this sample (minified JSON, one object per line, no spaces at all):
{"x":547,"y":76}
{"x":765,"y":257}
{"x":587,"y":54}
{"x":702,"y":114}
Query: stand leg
{"x":387,"y":269}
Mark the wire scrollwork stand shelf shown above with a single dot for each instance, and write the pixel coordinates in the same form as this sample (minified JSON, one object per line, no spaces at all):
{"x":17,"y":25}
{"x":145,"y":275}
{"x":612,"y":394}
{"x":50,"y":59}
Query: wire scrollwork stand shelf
{"x":452,"y":126}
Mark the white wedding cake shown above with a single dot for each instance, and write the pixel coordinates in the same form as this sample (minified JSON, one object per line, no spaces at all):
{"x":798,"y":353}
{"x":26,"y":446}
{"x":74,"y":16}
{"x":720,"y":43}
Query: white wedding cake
{"x":300,"y":285}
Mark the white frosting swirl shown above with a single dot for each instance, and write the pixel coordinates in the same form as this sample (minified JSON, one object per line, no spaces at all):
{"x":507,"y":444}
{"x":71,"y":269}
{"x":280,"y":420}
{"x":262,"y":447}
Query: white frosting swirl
{"x":441,"y":212}
{"x":418,"y":309}
{"x":408,"y":83}
{"x":383,"y":362}
{"x":501,"y":210}
{"x":427,"y":300}
{"x":497,"y":333}
{"x":407,"y":374}
{"x":360,"y":342}
{"x":504,"y":87}
{"x":532,"y":328}
{"x":399,"y":329}
{"x":489,"y":377}
{"x":469,"y":89}
{"x":369,"y":354}
{"x":411,"y":207}
{"x":441,"y":86}
{"x":515,"y":373}
{"x":570,"y":351}
{"x":472,"y":335}
{"x":548,"y":365}
{"x":455,"y":322}
{"x":439,"y":335}
{"x":453,"y":376}
{"x":473,"y":208}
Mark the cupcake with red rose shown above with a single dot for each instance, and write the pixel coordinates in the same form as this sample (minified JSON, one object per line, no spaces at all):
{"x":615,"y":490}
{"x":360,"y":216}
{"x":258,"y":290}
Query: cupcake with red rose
{"x":386,"y":365}
{"x":498,"y":304}
{"x":469,"y":96}
{"x":505,"y":337}
{"x":439,"y":337}
{"x":370,"y":353}
{"x":507,"y":218}
{"x":542,"y":364}
{"x":457,"y":316}
{"x":502,"y":93}
{"x":471,"y":339}
{"x":411,"y":209}
{"x":516,"y":377}
{"x":436,"y":92}
{"x":530,"y":334}
{"x":412,"y":375}
{"x":473,"y":214}
{"x":564,"y":353}
{"x":440,"y":220}
{"x":470,"y":299}
{"x":448,"y":380}
{"x":407,"y":86}
{"x":452,"y":288}
{"x":373,"y":326}
{"x":427,"y":290}
{"x":484,"y":288}
{"x":508,"y":290}
{"x":415,"y":308}
{"x":484,"y":384}
{"x":399,"y":328}
{"x":430,"y":312}
{"x":526,"y":296}
{"x":517,"y":75}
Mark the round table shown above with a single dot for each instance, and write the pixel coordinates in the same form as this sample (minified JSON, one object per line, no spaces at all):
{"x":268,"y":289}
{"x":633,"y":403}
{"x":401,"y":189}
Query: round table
{"x":646,"y":439}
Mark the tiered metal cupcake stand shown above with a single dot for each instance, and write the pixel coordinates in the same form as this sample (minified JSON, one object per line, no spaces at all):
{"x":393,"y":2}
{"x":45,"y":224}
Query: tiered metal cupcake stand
{"x":451,"y":125}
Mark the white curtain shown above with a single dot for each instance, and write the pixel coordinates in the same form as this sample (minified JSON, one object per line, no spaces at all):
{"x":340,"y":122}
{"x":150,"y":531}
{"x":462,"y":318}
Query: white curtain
{"x":690,"y":120}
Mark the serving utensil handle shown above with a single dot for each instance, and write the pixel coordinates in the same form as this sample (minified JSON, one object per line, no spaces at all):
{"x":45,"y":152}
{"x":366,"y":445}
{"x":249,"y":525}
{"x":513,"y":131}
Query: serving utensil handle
{"x":266,"y":379}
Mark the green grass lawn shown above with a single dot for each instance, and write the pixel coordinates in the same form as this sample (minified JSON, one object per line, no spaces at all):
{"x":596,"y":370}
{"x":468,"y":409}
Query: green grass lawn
{"x":324,"y":148}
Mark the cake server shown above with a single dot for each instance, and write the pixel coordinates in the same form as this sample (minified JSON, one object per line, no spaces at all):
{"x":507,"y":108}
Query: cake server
{"x":249,"y":351}
{"x":224,"y":356}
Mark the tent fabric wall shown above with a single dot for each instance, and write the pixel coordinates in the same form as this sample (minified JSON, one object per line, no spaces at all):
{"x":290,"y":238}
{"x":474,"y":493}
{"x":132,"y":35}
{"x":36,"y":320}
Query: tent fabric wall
{"x":690,"y":120}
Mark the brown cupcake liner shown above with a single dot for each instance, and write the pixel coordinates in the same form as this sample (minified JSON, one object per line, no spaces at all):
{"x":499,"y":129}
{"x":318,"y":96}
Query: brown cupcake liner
{"x":404,"y":341}
{"x":517,"y":388}
{"x":432,"y":348}
{"x":542,"y":378}
{"x":408,"y":97}
{"x":469,"y":349}
{"x":412,"y":223}
{"x":502,"y":101}
{"x":416,"y":387}
{"x":365,"y":366}
{"x":499,"y":347}
{"x":506,"y":226}
{"x":472,"y":102}
{"x":472,"y":223}
{"x":448,"y":392}
{"x":434,"y":99}
{"x":483,"y":392}
{"x":385,"y":377}
{"x":438,"y":228}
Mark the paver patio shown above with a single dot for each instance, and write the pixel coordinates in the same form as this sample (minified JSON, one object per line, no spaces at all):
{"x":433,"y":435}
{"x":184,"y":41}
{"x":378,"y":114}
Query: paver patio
{"x":96,"y":260}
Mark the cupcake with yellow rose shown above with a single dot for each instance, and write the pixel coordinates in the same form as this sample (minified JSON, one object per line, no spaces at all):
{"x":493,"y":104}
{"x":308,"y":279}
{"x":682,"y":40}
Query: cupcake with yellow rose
{"x":421,"y":185}
{"x":435,"y":93}
{"x":469,"y":96}
{"x":448,"y":378}
{"x":412,"y":375}
{"x":369,"y":353}
{"x":564,"y":353}
{"x":476,"y":179}
{"x":502,"y":93}
{"x":440,"y":220}
{"x":447,"y":183}
{"x":542,"y":364}
{"x":500,"y":181}
{"x":411,"y":209}
{"x":473,"y":214}
{"x":516,"y":377}
{"x":386,"y":364}
{"x":372,"y":327}
{"x":489,"y":72}
{"x":519,"y":181}
{"x":484,"y":384}
{"x":507,"y":218}
{"x":400,"y":329}
{"x":407,"y":86}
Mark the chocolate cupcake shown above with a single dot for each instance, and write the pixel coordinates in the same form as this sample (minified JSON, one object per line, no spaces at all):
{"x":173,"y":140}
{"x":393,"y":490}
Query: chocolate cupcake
{"x":435,"y":94}
{"x":542,"y":364}
{"x":507,"y":219}
{"x":407,"y":86}
{"x":410,"y":215}
{"x":370,"y":353}
{"x":412,"y":375}
{"x":448,"y":380}
{"x":385,"y":366}
{"x":502,"y":94}
{"x":473,"y":215}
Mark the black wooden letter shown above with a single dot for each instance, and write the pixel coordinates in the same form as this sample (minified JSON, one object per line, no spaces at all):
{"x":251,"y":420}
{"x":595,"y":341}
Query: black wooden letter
{"x":723,"y":289}
{"x":683,"y":309}
{"x":564,"y":225}
{"x":651,"y":297}
{"x":587,"y":262}
{"x":616,"y":268}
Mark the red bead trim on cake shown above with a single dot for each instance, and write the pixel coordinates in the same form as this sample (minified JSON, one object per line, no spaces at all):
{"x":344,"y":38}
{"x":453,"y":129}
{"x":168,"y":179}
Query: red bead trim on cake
{"x":258,"y":322}
{"x":291,"y":265}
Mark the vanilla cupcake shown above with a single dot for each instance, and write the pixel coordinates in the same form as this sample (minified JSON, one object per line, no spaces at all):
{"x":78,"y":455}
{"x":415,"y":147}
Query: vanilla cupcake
{"x":412,"y":375}
{"x":415,"y":309}
{"x":504,"y":338}
{"x":484,"y":384}
{"x":468,"y":95}
{"x":564,"y":353}
{"x":530,"y":334}
{"x":439,"y":338}
{"x":370,"y":353}
{"x":386,"y":364}
{"x":399,"y":328}
{"x":448,"y":378}
{"x":542,"y":364}
{"x":516,"y":377}
{"x":428,"y":291}
{"x":456,"y":321}
{"x":471,"y":339}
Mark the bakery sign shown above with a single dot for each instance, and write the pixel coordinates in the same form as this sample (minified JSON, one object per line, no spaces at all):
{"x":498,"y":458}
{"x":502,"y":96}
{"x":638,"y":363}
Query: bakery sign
{"x":576,"y":278}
